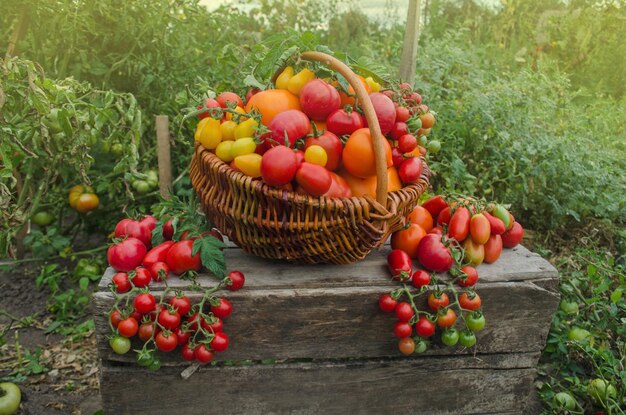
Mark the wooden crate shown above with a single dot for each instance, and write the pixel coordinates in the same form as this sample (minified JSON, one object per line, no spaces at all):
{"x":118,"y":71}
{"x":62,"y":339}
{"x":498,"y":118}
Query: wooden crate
{"x":310,"y":339}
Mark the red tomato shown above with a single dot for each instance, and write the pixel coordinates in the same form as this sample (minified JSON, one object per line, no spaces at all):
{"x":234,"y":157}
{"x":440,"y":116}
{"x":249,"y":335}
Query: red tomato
{"x":436,"y":230}
{"x":433,"y":254}
{"x":413,"y":99}
{"x":180,"y":260}
{"x":421,"y":216}
{"x":408,"y":239}
{"x":329,"y":142}
{"x":145,"y":331}
{"x":237,"y":279}
{"x":169,"y":320}
{"x":219,"y":342}
{"x":513,"y":237}
{"x":459,"y":224}
{"x":435,"y":205}
{"x":168,"y":230}
{"x":115,"y":317}
{"x":398,"y":130}
{"x":470,"y":301}
{"x":343,"y":123}
{"x":402,"y":329}
{"x":400,"y":265}
{"x":493,"y":249}
{"x":157,"y":254}
{"x":385,"y":111}
{"x":474,"y":253}
{"x":183,"y":336}
{"x":144,"y":303}
{"x":468,"y":277}
{"x":428,"y":120}
{"x":339,"y":187}
{"x":410,"y":170}
{"x":128,"y":327}
{"x":187,"y":353}
{"x":278,"y":166}
{"x":202,"y":354}
{"x":420,"y":278}
{"x":288,"y":127}
{"x":314,"y":179}
{"x":318,"y":99}
{"x":402,"y":114}
{"x":166,"y":342}
{"x":251,"y":92}
{"x":437,"y":301}
{"x":424,"y":327}
{"x":480,"y":230}
{"x":225,"y":97}
{"x":135,"y":229}
{"x":223,"y":309}
{"x":495,"y":224}
{"x":404,"y":311}
{"x":208,"y":103}
{"x":181,"y":303}
{"x":126,"y":255}
{"x":121,"y":282}
{"x":407,"y":143}
{"x":397,"y":157}
{"x":141,"y":277}
{"x":386,"y":303}
{"x":213,"y":325}
{"x":444,"y":217}
{"x":447,"y":319}
{"x":159,"y":271}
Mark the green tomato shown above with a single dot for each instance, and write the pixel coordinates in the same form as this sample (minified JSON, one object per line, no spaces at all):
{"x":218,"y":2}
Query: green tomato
{"x":421,"y":345}
{"x":422,"y":140}
{"x":144,"y":359}
{"x":564,"y":400}
{"x":119,"y":344}
{"x":467,"y":338}
{"x":600,"y":390}
{"x":501,"y":213}
{"x":153,"y":178}
{"x":155,"y":364}
{"x":117,"y":150}
{"x":141,"y":186}
{"x":450,"y":337}
{"x":578,"y":334}
{"x":51,"y":121}
{"x":42,"y":218}
{"x":433,"y":146}
{"x":10,"y":398}
{"x":475,"y":321}
{"x":569,"y":307}
{"x":85,"y":268}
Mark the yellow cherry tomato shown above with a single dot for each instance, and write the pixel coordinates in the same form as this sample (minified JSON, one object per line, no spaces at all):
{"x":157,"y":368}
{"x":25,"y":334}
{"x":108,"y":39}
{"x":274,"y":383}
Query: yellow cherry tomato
{"x":249,"y":164}
{"x":374,"y":86}
{"x":228,"y":130}
{"x":229,"y":115}
{"x":283,"y":79}
{"x":223,"y":151}
{"x":316,"y":155}
{"x":243,"y":146}
{"x":299,"y":80}
{"x":208,"y":133}
{"x":246,"y":128}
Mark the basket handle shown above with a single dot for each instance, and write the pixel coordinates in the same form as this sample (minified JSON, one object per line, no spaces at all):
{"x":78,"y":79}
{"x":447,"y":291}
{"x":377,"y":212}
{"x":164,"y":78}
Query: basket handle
{"x":370,"y":115}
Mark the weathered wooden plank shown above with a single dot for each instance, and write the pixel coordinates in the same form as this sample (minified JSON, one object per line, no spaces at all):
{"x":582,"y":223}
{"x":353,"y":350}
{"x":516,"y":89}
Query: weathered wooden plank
{"x":345,"y":322}
{"x":517,"y":264}
{"x":421,"y":385}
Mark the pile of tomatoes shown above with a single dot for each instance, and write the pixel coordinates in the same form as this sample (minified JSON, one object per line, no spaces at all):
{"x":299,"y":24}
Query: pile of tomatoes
{"x":309,"y":134}
{"x":451,"y":236}
{"x":166,"y":320}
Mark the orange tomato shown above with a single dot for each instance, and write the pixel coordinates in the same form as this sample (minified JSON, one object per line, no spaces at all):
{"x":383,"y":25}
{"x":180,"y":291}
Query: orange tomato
{"x":271,"y":102}
{"x":408,"y":239}
{"x":367,"y":186}
{"x":345,"y":98}
{"x":474,"y":253}
{"x":87,"y":202}
{"x":420,"y":216}
{"x":358,"y":154}
{"x":418,"y":152}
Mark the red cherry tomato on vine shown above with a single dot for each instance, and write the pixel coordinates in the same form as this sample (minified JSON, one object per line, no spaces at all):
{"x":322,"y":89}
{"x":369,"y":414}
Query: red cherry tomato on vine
{"x":406,"y":346}
{"x":169,"y":320}
{"x":159,"y":271}
{"x":402,"y":114}
{"x":470,"y":278}
{"x":386,"y":303}
{"x":223,"y":309}
{"x":202,"y":354}
{"x":128,"y":327}
{"x":121,"y":282}
{"x":402,"y":329}
{"x":166,"y":342}
{"x":407,"y":143}
{"x":438,"y":301}
{"x":404,"y":311}
{"x":470,"y":301}
{"x":447,"y":319}
{"x":420,"y":278}
{"x":145,"y":331}
{"x":187,"y":353}
{"x":115,"y":317}
{"x":398,"y":130}
{"x":144,"y":303}
{"x":219,"y":342}
{"x":424,"y":327}
{"x":141,"y":278}
{"x":237,"y":279}
{"x":229,"y":97}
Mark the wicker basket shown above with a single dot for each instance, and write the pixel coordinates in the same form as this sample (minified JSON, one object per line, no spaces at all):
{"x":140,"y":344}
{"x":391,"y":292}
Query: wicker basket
{"x":274,"y":223}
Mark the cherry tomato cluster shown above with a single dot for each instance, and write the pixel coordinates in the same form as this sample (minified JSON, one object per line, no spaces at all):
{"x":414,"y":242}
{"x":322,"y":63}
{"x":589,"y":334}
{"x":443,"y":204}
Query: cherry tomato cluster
{"x":169,"y":320}
{"x":309,"y":134}
{"x":451,"y":237}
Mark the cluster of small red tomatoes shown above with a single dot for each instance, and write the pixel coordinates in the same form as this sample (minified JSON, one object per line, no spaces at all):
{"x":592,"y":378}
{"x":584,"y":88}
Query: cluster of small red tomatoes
{"x":445,"y":237}
{"x":170,"y":319}
{"x":309,"y":135}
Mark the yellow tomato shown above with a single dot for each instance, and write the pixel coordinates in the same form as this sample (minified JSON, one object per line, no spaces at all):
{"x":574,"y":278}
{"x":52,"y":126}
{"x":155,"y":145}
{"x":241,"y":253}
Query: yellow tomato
{"x":229,"y":115}
{"x":228,"y":130}
{"x":299,"y":80}
{"x":316,"y":155}
{"x":223,"y":151}
{"x":243,"y":146}
{"x":246,"y":128}
{"x":283,"y":79}
{"x":208,"y":133}
{"x":374,"y":86}
{"x":249,"y":164}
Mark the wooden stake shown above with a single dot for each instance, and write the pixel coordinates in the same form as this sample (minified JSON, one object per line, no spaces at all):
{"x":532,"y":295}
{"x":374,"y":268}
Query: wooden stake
{"x":18,"y":34}
{"x":163,"y":154}
{"x":408,"y":62}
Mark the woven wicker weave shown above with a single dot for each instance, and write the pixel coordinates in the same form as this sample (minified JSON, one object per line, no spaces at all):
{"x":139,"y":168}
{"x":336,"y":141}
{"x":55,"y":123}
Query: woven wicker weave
{"x":274,"y":223}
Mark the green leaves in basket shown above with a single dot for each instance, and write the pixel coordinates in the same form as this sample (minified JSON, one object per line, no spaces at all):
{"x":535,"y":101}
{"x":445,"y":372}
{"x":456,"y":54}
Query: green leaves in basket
{"x":211,"y":255}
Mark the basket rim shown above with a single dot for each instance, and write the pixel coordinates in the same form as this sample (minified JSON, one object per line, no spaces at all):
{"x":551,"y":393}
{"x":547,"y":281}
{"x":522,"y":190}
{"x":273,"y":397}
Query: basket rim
{"x":291,"y":196}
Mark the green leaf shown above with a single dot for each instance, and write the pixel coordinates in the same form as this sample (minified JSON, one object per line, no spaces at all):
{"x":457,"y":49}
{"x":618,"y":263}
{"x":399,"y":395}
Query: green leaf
{"x":616,"y":295}
{"x":251,"y":80}
{"x":211,"y":255}
{"x":64,"y":121}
